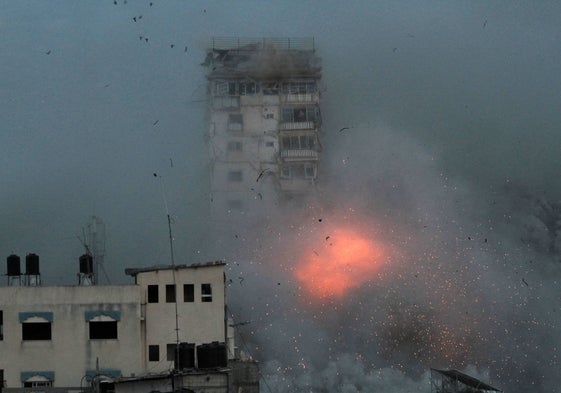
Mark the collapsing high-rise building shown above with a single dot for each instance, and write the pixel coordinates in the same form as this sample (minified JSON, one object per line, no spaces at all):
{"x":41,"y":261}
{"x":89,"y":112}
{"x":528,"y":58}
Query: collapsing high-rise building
{"x":264,"y":123}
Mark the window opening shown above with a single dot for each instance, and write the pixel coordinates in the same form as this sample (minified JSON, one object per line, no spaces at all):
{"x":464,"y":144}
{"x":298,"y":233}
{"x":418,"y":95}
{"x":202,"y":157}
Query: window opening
{"x":234,"y":146}
{"x":36,"y":331}
{"x":299,"y":114}
{"x":302,"y":142}
{"x":154,"y":353}
{"x":235,"y":122}
{"x":171,"y":350}
{"x":206,"y":293}
{"x":153,"y":294}
{"x":235,"y":176}
{"x":170,"y":293}
{"x":188,"y":293}
{"x":103,"y":330}
{"x":1,"y":331}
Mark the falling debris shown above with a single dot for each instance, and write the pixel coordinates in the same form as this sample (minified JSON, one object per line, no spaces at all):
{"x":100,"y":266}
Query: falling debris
{"x":155,"y":174}
{"x":320,"y":220}
{"x":171,"y":163}
{"x":525,"y":282}
{"x":134,"y":18}
{"x":261,"y":174}
{"x":172,"y":45}
{"x":485,"y":23}
{"x":185,"y":49}
{"x":48,"y":52}
{"x":156,"y":122}
{"x":345,"y":128}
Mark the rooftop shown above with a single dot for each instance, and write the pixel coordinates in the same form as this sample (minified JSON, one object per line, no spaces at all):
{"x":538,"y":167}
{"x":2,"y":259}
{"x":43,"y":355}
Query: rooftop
{"x":134,"y":271}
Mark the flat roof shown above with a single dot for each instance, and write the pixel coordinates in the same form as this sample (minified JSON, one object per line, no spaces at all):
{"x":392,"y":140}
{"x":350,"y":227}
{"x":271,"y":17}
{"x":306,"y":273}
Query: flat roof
{"x":134,"y":271}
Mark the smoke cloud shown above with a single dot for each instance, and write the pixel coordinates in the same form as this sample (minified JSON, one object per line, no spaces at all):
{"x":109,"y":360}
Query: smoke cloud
{"x":448,"y":157}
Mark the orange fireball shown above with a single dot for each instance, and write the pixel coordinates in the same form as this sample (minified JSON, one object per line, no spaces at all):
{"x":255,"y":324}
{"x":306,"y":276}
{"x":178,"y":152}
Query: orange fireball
{"x":345,"y":260}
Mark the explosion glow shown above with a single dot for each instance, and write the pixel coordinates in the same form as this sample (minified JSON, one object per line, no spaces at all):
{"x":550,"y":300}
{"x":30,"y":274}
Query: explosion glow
{"x":346,"y":260}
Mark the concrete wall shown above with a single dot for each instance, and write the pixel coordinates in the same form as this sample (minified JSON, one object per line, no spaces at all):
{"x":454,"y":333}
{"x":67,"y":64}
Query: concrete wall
{"x":198,"y":322}
{"x":69,"y":354}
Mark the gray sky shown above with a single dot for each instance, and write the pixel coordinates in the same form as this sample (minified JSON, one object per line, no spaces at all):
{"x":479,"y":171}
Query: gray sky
{"x":452,"y":157}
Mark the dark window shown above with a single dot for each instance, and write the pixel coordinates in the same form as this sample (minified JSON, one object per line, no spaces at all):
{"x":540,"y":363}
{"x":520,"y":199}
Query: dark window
{"x":299,"y":171}
{"x":1,"y":330}
{"x":36,"y":331}
{"x":170,"y":293}
{"x":2,"y":379}
{"x":171,"y":351}
{"x":206,"y":293}
{"x":103,"y":330}
{"x":235,"y":122}
{"x":153,"y":353}
{"x":153,"y":294}
{"x":302,"y":142}
{"x":299,"y":114}
{"x":188,"y":292}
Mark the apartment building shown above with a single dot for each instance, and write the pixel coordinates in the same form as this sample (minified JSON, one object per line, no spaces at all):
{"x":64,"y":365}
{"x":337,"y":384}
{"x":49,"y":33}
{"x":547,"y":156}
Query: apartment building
{"x":63,"y":338}
{"x":264,"y":122}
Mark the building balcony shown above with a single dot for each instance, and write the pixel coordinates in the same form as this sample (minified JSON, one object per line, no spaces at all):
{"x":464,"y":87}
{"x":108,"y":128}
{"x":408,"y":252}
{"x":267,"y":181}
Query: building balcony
{"x":299,"y":154}
{"x":300,"y":125}
{"x":300,"y":97}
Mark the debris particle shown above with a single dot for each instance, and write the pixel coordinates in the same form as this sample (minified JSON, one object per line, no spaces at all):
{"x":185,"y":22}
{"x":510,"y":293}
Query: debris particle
{"x":261,"y":174}
{"x":172,"y":45}
{"x":327,"y":237}
{"x":525,"y":282}
{"x":156,"y":122}
{"x":155,"y":174}
{"x":48,"y":52}
{"x":320,"y":220}
{"x":344,"y":128}
{"x":185,"y":49}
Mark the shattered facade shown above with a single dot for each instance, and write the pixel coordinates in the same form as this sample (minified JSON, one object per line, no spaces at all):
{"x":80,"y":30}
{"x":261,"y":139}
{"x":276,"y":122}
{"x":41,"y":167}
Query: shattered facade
{"x":264,"y":123}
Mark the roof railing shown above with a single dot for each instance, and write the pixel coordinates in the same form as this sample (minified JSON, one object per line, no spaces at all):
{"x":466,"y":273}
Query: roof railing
{"x":248,"y":43}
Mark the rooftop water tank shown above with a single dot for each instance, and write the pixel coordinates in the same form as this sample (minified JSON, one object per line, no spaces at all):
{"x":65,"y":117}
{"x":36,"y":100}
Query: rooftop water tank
{"x":32,"y":264}
{"x":86,"y":264}
{"x":13,"y":262}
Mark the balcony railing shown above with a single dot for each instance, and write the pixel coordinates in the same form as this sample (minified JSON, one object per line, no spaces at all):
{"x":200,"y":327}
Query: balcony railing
{"x":301,"y":125}
{"x":299,"y":154}
{"x":299,"y":97}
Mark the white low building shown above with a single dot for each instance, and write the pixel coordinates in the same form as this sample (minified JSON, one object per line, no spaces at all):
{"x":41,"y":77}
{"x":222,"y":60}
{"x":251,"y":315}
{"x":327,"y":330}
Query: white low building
{"x":59,"y":338}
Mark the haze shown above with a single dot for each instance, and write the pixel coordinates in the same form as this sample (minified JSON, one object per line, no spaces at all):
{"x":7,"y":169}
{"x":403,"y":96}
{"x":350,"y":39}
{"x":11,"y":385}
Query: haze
{"x":450,"y":158}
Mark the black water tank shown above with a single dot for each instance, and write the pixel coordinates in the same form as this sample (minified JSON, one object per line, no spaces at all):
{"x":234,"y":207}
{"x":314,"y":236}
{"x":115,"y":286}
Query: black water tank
{"x":13,"y":265}
{"x":86,"y":264}
{"x":32,"y":264}
{"x":186,"y":356}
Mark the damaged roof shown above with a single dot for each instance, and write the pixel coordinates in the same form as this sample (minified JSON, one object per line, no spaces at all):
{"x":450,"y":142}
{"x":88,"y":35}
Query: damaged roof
{"x":262,"y":59}
{"x":467,"y":380}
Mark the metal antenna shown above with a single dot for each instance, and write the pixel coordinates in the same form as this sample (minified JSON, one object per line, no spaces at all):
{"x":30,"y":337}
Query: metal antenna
{"x":172,"y":272}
